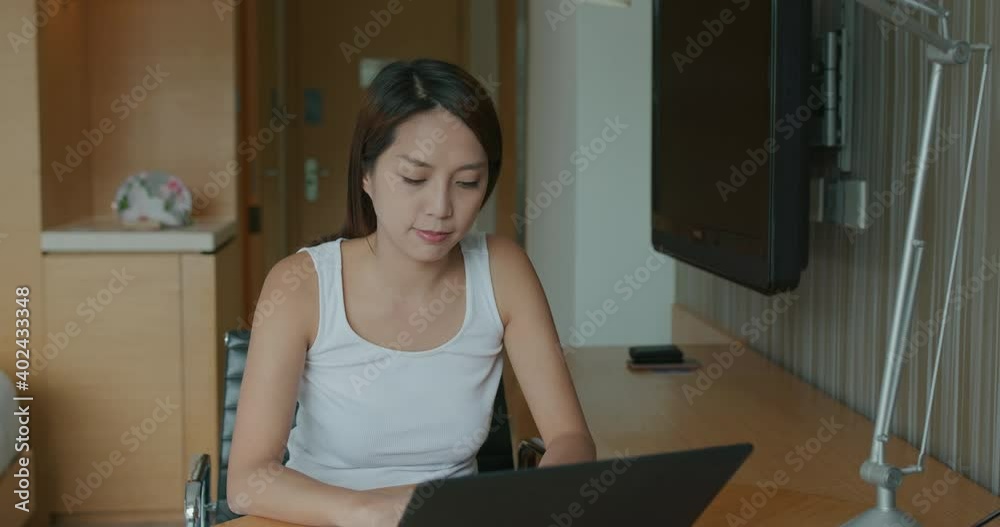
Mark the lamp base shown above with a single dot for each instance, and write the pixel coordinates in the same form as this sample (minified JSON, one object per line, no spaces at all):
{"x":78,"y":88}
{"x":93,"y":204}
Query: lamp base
{"x":883,"y":518}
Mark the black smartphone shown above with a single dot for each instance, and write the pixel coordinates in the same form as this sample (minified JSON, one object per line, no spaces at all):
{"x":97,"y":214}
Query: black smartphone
{"x":659,"y":354}
{"x":683,"y":366}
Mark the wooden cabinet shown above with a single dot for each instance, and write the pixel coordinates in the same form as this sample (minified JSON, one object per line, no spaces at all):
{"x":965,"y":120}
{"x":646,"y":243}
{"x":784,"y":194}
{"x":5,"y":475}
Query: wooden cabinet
{"x":133,"y":384}
{"x":133,"y":381}
{"x":128,"y":384}
{"x":120,"y":317}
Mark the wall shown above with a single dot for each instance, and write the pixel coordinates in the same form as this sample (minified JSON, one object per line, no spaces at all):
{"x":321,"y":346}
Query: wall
{"x":104,"y":91}
{"x":832,"y":330}
{"x":62,"y":70}
{"x":550,"y":238}
{"x":21,"y":217}
{"x":588,"y":173}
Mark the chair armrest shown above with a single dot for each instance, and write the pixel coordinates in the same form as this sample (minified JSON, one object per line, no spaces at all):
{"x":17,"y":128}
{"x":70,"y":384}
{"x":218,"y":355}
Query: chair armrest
{"x":198,"y":493}
{"x":530,"y":452}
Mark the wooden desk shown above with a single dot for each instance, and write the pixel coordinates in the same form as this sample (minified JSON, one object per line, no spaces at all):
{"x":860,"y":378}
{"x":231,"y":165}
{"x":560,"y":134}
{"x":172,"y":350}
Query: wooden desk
{"x":806,"y":443}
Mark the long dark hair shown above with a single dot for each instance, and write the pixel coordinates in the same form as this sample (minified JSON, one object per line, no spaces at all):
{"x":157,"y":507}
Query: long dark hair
{"x":401,"y":90}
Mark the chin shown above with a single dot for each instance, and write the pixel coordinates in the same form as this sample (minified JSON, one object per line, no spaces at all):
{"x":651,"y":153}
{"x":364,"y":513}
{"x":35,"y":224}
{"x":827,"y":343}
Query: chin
{"x":424,"y":249}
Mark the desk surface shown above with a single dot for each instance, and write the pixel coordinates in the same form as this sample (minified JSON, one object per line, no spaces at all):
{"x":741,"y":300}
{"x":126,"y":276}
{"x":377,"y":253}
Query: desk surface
{"x":806,"y":443}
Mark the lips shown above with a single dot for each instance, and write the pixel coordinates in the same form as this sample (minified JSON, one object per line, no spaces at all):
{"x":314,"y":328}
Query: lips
{"x":432,"y":236}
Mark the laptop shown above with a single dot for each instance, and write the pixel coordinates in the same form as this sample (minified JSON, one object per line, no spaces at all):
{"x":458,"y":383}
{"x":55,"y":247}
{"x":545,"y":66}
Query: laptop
{"x":670,"y":489}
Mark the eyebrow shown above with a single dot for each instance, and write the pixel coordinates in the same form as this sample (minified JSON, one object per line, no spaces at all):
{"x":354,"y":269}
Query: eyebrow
{"x":422,"y":164}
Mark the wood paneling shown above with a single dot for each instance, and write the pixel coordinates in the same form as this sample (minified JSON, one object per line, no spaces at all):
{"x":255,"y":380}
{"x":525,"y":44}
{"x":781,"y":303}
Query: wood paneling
{"x":264,"y":179}
{"x":182,"y":121}
{"x":64,"y":115}
{"x":212,"y":301}
{"x":115,"y":384}
{"x":120,"y":353}
{"x":159,"y":77}
{"x":202,"y":422}
{"x":20,"y":211}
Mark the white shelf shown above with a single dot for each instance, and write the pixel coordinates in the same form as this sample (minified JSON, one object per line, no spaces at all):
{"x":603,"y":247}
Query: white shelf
{"x":107,"y":235}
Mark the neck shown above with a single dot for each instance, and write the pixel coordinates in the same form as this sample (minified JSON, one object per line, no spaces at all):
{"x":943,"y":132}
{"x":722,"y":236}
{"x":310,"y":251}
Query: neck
{"x":402,"y":277}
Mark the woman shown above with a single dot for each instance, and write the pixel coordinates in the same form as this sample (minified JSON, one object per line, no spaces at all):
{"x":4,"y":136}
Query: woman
{"x":389,"y":334}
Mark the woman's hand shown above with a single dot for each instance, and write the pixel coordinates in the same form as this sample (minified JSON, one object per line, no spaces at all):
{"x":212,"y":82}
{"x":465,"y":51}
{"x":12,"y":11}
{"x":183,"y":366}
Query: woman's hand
{"x":384,"y":507}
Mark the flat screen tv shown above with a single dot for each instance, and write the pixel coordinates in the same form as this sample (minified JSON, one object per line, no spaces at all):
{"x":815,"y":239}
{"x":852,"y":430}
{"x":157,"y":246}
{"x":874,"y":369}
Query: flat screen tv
{"x":732,"y":106}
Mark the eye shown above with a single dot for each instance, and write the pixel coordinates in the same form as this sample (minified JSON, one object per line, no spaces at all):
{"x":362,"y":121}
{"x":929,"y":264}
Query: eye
{"x":409,"y":181}
{"x":468,"y":184}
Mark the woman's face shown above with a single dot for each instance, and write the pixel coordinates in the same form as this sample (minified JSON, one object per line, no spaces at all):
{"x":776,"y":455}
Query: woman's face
{"x":428,"y":186}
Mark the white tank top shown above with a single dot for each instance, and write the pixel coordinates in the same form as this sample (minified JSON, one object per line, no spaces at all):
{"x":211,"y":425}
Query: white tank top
{"x":371,"y":416}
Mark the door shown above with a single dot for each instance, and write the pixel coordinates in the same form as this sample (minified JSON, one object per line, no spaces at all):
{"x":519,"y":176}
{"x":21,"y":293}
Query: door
{"x":303,"y":59}
{"x":329,"y":44}
{"x":265,"y":121}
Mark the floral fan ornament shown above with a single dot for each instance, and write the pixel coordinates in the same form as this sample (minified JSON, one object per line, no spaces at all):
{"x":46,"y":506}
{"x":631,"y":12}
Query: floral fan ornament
{"x":153,"y":200}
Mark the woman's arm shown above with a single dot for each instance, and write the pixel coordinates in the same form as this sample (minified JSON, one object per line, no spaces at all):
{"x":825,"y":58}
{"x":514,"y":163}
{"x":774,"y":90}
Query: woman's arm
{"x":258,"y":484}
{"x":536,"y":356}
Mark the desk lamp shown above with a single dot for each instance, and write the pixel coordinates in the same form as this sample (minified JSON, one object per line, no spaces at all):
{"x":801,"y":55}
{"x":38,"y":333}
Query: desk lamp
{"x":941,"y":50}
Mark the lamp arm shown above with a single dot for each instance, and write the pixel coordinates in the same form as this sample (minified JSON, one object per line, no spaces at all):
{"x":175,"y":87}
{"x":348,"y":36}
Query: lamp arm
{"x":919,"y":466}
{"x":948,"y":49}
{"x":930,"y":9}
{"x":884,"y":476}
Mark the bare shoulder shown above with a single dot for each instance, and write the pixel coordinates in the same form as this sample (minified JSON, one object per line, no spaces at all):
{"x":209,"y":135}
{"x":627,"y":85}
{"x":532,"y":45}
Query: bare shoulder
{"x":289,"y":298}
{"x":514,"y":277}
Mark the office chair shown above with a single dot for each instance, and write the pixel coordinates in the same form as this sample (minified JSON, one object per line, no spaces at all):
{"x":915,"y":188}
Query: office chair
{"x":199,"y":511}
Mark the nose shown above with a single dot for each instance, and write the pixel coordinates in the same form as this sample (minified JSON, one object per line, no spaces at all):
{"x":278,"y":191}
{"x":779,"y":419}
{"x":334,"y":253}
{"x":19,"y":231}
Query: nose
{"x":440,"y":199}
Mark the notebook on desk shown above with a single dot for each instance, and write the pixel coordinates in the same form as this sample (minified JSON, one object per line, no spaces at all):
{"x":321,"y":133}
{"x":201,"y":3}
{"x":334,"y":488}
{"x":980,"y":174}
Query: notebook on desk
{"x":659,"y":489}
